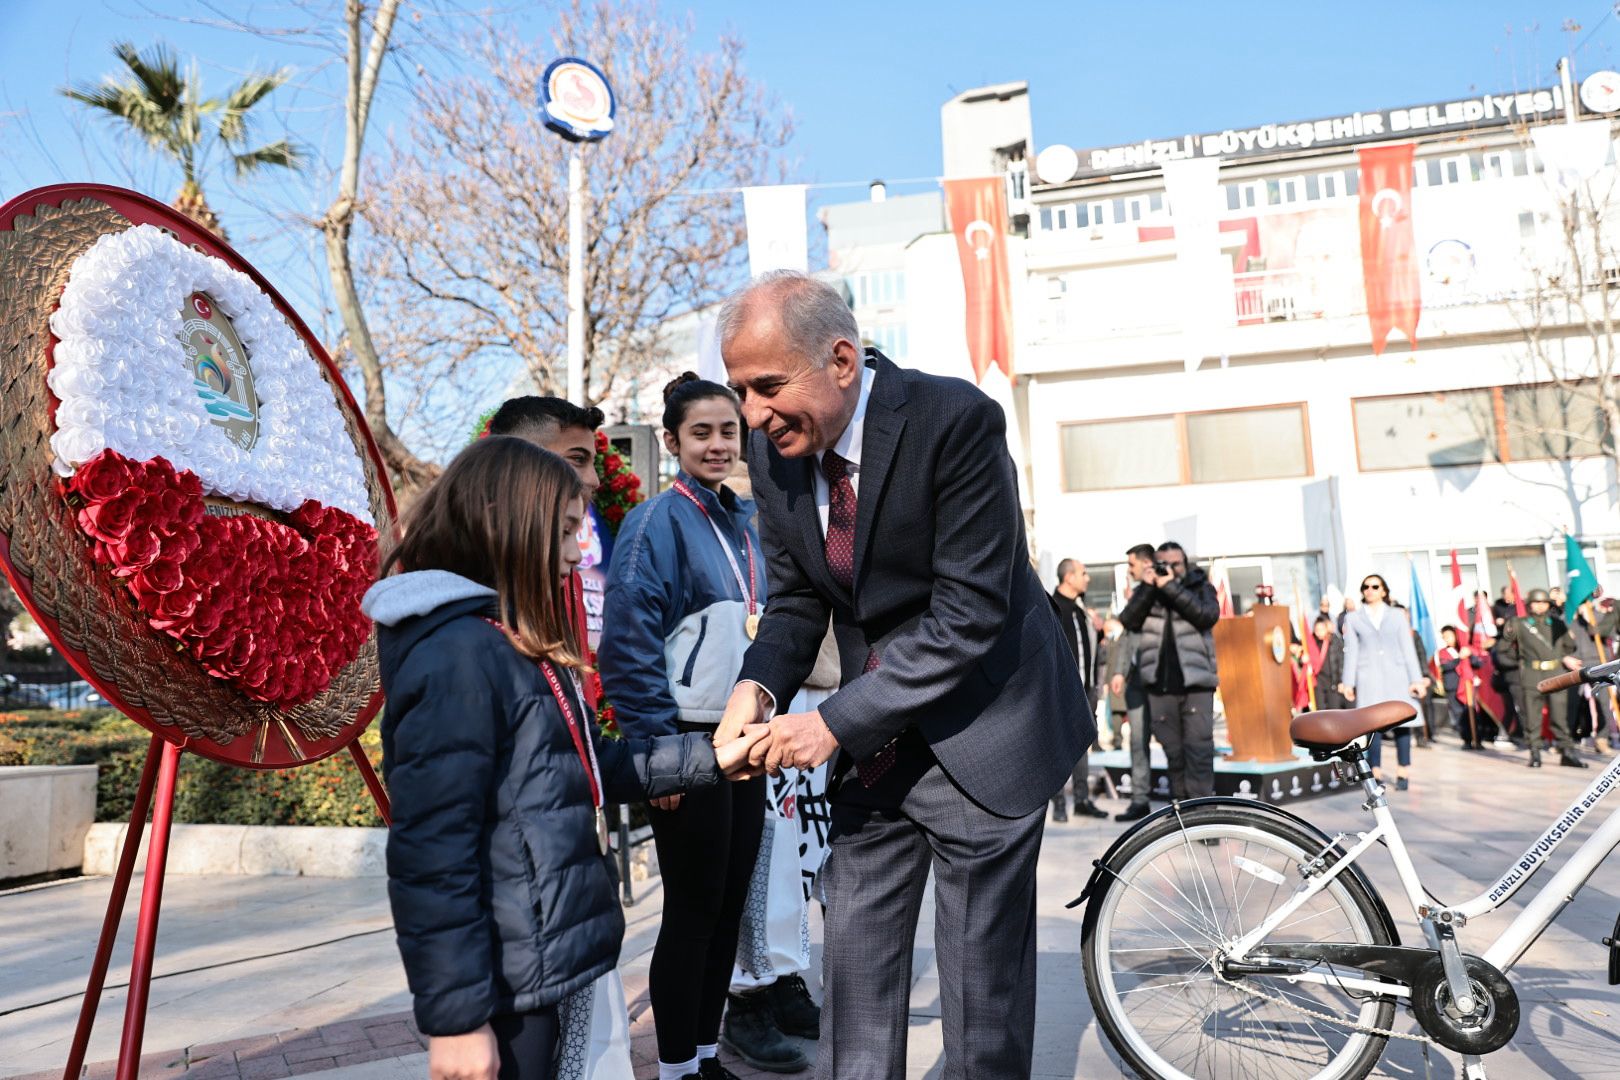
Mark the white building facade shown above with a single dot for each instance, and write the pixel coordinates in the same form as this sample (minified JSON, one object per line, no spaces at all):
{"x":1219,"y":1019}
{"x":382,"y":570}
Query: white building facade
{"x":1291,"y":455}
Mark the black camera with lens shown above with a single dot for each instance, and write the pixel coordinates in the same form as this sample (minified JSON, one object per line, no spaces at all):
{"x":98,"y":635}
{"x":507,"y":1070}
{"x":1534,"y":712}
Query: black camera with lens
{"x":1161,"y":567}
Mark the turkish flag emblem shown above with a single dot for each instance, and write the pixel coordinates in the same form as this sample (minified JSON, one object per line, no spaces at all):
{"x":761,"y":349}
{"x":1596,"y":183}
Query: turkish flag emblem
{"x":1388,"y":264}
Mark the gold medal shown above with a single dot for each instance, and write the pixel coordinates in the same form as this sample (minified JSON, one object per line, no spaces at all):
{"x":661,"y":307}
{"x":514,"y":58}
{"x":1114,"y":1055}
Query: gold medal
{"x":752,"y":627}
{"x":601,"y":830}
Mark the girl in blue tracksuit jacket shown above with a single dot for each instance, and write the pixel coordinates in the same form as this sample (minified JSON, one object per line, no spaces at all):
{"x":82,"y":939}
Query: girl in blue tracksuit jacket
{"x":684,"y":593}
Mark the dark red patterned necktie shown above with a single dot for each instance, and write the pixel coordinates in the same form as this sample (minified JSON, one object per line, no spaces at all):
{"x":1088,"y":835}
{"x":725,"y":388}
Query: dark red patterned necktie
{"x":840,"y":519}
{"x":841,"y":561}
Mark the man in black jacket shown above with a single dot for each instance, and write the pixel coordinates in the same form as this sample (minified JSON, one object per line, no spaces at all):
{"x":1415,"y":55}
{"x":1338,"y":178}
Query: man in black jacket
{"x":1173,"y":611}
{"x":1080,"y":635}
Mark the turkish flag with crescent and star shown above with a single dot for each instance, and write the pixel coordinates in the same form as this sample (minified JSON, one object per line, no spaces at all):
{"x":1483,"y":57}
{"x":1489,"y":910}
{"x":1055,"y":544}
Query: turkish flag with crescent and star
{"x":1388,"y":262}
{"x":978,"y":211}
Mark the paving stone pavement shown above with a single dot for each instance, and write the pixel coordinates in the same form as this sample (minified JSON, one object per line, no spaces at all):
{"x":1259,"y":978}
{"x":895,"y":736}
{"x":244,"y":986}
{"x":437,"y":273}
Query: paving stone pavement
{"x":279,"y":977}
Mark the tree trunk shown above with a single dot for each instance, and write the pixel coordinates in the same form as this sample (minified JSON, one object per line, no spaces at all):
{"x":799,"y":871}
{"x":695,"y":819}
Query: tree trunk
{"x":408,"y":472}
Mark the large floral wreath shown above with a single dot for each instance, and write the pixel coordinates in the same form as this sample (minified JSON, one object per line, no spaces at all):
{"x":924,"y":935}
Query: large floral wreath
{"x":264,"y":593}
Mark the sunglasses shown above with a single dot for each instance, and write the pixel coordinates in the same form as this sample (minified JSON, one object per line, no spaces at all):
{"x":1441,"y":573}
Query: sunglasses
{"x":1372,"y":585}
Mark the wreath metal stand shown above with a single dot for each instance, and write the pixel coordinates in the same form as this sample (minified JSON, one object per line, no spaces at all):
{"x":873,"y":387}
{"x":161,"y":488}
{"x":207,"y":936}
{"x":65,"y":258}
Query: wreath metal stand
{"x":160,"y":773}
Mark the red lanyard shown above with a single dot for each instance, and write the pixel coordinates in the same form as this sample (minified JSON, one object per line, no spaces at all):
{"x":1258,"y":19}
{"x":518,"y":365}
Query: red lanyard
{"x":582,"y":745}
{"x":749,"y":588}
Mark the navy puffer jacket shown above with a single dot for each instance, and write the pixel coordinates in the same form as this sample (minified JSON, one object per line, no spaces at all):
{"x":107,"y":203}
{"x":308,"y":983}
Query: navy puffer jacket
{"x":501,"y":901}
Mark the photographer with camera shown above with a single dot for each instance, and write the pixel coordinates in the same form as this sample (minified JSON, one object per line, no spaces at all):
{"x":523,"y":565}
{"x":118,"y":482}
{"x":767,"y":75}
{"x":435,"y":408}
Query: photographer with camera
{"x":1173,"y":612}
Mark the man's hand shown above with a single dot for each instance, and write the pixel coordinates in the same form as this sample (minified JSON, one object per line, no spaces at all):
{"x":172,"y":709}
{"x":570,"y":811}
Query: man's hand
{"x":1157,"y":580}
{"x":1573,"y":663}
{"x":1349,"y":692}
{"x":1465,"y":652}
{"x":1116,"y":685}
{"x":472,"y":1056}
{"x":798,"y":740}
{"x":1419,"y":688}
{"x":667,"y":803}
{"x":749,"y":704}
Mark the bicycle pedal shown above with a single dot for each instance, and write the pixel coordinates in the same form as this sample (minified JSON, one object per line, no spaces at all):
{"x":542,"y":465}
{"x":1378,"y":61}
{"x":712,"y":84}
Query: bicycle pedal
{"x":1613,"y":942}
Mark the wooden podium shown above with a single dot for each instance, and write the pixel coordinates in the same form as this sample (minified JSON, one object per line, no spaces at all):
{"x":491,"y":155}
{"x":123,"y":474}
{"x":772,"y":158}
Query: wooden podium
{"x":1256,"y":687}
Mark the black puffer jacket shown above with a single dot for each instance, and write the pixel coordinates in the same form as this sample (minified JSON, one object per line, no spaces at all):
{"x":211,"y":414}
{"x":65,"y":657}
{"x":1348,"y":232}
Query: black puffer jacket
{"x":501,"y":901}
{"x":1193,"y":608}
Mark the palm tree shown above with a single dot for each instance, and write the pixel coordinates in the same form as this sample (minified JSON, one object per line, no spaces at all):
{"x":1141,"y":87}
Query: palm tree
{"x":165,"y":107}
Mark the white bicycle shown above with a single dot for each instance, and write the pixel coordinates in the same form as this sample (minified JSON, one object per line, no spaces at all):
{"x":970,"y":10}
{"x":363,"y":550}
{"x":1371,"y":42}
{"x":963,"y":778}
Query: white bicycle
{"x":1227,"y":939}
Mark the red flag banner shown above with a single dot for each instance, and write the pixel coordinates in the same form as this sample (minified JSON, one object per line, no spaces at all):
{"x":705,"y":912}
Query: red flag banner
{"x":1388,"y":262}
{"x":978,"y":210}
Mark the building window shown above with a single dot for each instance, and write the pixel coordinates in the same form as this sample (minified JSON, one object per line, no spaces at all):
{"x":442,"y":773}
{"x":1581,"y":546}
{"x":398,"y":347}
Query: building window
{"x":890,"y":339}
{"x":1556,"y":422}
{"x":1247,"y":444}
{"x":1121,"y":454}
{"x":1473,"y":427}
{"x":1046,"y":219}
{"x":1418,"y":431}
{"x":1186,"y":448}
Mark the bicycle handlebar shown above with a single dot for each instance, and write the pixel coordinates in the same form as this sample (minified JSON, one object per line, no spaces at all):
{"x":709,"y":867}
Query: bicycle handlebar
{"x":1607,"y":673}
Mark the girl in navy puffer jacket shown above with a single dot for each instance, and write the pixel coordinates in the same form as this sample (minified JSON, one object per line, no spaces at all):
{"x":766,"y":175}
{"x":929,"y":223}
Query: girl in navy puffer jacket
{"x":502,"y":891}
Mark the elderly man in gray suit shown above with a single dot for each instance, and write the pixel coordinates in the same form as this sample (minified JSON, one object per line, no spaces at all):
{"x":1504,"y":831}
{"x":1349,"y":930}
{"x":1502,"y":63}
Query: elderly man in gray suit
{"x":887,"y":498}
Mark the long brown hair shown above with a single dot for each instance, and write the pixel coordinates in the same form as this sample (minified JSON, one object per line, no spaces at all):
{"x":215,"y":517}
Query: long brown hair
{"x":495,"y":517}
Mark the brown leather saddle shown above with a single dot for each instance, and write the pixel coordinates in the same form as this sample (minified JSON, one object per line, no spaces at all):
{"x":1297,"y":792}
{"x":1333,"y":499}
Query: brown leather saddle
{"x":1334,"y":729}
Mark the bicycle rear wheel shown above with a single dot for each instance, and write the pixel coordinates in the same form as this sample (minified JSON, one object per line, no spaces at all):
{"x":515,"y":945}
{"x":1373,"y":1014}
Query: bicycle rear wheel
{"x":1174,"y":896}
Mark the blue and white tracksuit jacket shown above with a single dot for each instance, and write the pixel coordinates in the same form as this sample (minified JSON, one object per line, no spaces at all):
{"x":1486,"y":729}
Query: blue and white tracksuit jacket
{"x":675,"y":619}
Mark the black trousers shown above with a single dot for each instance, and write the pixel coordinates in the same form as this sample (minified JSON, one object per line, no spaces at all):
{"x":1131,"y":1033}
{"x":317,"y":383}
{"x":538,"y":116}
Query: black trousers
{"x":527,"y":1044}
{"x":1184,"y":724}
{"x":706,"y":852}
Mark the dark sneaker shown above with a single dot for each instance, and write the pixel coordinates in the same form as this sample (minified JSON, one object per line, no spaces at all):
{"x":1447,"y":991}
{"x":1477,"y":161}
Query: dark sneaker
{"x":1400,"y":783}
{"x":751,"y":1033}
{"x":1570,"y":759}
{"x":1060,"y":812}
{"x":1087,"y":808}
{"x":1134,"y":812}
{"x":1535,"y":758}
{"x":711,"y":1069}
{"x":794,"y":1010}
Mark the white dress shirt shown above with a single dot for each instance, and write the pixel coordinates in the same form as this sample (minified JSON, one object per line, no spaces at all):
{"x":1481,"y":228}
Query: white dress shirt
{"x":847,"y":447}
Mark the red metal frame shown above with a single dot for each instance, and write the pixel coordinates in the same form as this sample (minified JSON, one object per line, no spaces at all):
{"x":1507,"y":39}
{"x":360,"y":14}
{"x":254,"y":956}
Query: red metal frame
{"x":146,"y":924}
{"x":374,"y":785}
{"x":115,"y":911}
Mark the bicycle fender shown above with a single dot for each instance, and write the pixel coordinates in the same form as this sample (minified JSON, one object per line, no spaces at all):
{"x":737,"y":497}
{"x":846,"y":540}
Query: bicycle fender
{"x":1100,"y":866}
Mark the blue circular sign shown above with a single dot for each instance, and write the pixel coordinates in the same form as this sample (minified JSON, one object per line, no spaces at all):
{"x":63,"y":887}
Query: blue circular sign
{"x":576,"y":101}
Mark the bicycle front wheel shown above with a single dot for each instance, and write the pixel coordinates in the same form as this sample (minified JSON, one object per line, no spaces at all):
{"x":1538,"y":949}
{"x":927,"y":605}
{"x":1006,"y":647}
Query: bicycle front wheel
{"x":1175,"y":897}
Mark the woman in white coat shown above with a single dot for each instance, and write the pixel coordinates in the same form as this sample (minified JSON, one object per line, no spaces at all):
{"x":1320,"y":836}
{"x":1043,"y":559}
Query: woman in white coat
{"x":1381,"y":665}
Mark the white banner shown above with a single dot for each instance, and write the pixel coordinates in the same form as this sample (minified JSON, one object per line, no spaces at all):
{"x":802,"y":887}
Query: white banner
{"x":777,"y":236}
{"x":1192,"y":187}
{"x":1572,"y":154}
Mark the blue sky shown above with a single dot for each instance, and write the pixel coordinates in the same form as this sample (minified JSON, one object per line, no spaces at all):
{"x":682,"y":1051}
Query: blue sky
{"x":864,"y":80}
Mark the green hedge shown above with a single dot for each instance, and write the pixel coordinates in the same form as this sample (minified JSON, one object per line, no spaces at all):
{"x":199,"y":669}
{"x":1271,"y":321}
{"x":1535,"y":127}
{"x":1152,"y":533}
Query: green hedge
{"x":329,"y":792}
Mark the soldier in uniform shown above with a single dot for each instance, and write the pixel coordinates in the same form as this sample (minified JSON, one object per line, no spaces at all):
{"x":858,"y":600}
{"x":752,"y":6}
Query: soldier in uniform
{"x":1599,"y":700}
{"x":1535,"y":647}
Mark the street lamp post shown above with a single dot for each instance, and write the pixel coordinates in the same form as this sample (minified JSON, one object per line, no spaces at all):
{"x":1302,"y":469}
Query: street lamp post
{"x":577,"y":103}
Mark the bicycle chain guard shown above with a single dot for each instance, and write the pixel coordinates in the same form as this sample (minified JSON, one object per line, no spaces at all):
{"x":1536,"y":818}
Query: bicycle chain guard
{"x":1484,"y":1031}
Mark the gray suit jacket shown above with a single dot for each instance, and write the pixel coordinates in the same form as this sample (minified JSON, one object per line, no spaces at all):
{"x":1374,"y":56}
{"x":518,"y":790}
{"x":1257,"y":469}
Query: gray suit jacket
{"x":944,"y":593}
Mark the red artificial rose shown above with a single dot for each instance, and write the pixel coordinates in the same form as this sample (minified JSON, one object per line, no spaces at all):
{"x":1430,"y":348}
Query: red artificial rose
{"x":614,"y":513}
{"x":635,"y":482}
{"x":601,"y":441}
{"x":613,"y":463}
{"x":163,"y":576}
{"x":138,"y":550}
{"x":102,"y":477}
{"x":111,"y":520}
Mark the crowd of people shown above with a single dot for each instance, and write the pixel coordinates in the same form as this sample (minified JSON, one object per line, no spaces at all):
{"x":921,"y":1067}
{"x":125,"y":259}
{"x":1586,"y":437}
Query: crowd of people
{"x":858,"y":629}
{"x":1150,"y":673}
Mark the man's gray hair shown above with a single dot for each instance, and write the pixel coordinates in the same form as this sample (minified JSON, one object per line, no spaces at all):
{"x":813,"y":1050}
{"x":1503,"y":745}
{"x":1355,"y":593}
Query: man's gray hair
{"x":812,"y":313}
